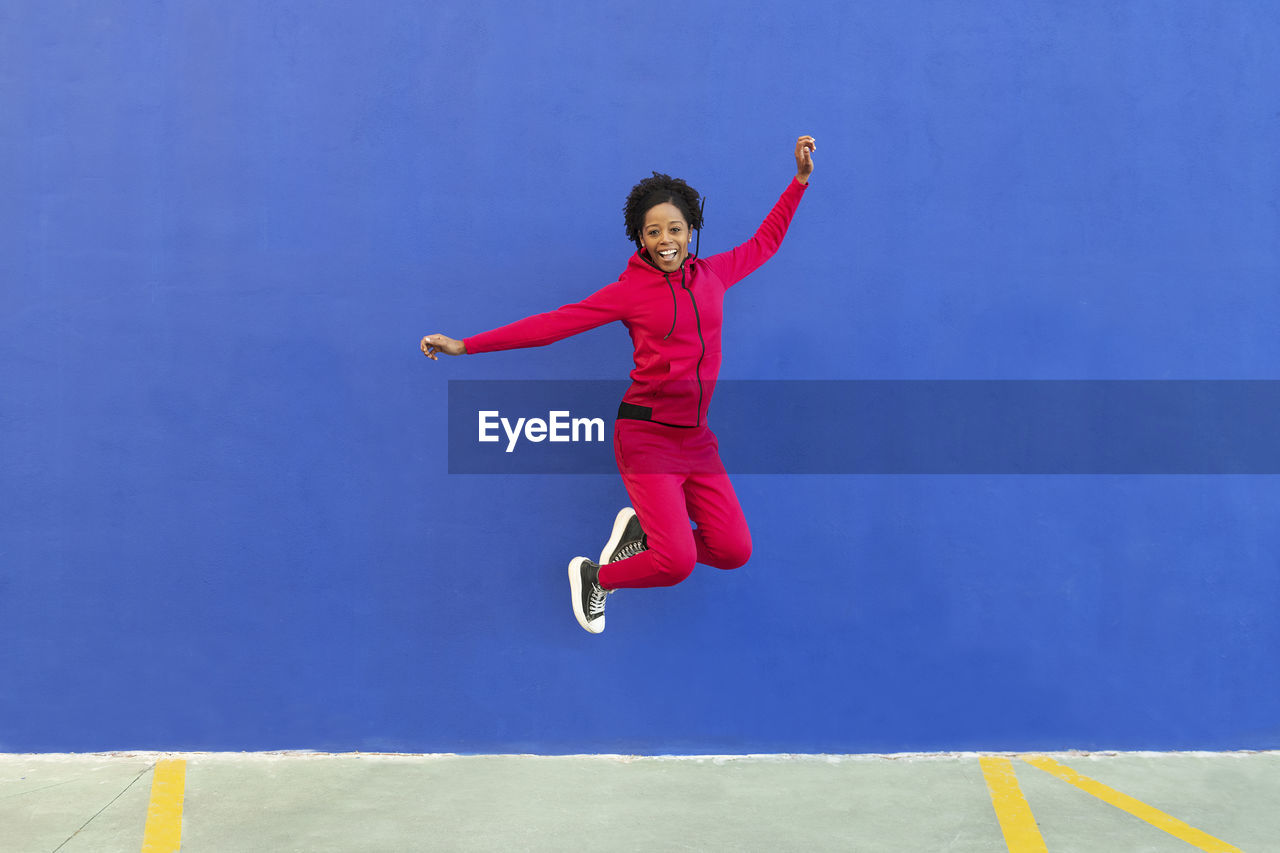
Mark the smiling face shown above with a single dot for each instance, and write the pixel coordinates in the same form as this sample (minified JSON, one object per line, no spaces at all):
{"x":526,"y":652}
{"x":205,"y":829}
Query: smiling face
{"x":666,"y":235}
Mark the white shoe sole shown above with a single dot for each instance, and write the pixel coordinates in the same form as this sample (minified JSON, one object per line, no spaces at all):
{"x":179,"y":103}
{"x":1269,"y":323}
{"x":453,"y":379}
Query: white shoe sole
{"x":575,"y":590}
{"x":619,"y":525}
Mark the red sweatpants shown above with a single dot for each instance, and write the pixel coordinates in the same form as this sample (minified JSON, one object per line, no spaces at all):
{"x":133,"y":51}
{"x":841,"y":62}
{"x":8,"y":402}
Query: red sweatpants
{"x":674,"y":475}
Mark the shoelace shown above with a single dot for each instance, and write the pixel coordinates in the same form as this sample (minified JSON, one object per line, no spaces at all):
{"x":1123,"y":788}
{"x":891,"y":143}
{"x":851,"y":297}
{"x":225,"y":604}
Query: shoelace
{"x":595,"y":604}
{"x":635,"y":546}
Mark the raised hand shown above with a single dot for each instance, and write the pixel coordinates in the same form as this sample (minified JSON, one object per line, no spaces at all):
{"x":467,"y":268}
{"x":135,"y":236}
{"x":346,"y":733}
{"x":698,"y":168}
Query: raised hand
{"x":805,"y":146}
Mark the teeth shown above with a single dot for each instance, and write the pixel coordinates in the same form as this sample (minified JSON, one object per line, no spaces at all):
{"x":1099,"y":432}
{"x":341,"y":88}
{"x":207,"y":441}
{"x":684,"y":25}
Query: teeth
{"x":670,"y":254}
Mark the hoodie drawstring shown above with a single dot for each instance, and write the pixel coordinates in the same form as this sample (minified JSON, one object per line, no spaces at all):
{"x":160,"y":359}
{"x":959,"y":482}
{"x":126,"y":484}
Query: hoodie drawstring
{"x":675,"y":307}
{"x":702,"y":206}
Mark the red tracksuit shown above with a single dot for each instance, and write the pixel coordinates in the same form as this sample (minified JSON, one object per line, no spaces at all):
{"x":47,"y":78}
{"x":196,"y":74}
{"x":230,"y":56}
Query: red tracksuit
{"x":668,"y":457}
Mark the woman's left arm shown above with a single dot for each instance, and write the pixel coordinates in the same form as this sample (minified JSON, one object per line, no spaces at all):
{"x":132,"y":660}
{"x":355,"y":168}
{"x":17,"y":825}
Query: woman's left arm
{"x":736,"y":264}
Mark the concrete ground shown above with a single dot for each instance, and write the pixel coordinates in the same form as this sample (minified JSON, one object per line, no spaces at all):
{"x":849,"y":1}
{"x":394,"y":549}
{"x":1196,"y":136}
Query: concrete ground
{"x":963,"y":803}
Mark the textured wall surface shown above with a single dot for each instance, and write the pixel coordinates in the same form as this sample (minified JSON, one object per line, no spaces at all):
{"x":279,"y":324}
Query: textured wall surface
{"x":226,"y":517}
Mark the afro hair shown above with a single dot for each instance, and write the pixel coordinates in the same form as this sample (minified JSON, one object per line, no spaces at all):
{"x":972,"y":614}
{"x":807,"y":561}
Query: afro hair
{"x":658,"y":190}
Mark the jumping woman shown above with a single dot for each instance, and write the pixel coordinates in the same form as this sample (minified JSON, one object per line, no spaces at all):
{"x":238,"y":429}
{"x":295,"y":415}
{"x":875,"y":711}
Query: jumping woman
{"x":671,"y":302}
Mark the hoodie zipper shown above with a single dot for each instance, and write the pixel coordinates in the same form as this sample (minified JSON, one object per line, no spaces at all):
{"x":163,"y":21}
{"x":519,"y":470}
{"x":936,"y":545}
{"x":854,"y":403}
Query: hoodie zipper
{"x":697,"y":318}
{"x":697,"y":370}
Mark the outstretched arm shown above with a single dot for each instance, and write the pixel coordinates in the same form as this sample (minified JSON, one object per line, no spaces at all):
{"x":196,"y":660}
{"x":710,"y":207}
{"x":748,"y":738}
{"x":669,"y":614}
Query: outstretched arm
{"x":737,"y":264}
{"x":601,"y":307}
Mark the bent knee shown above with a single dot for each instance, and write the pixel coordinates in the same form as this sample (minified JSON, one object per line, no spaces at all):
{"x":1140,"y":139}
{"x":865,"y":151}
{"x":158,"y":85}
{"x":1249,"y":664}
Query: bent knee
{"x":732,"y":554}
{"x":673,"y":566}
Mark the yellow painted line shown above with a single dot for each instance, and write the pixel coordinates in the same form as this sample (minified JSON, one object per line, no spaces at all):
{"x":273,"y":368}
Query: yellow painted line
{"x":1016,"y":820}
{"x":164,"y":813}
{"x":1137,"y":808}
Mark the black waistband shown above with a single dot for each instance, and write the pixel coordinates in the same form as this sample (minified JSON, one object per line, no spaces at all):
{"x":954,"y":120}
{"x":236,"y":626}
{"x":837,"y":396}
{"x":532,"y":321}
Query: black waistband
{"x":632,"y":412}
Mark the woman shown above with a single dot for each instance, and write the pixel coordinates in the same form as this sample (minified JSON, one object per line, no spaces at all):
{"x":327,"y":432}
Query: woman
{"x":671,"y":303}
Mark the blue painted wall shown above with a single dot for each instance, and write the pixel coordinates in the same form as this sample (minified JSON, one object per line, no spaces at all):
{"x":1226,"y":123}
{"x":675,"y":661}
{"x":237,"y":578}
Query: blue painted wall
{"x":225,"y":517}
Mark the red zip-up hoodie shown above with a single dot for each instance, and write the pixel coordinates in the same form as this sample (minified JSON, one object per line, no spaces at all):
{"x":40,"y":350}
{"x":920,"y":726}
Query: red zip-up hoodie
{"x":674,"y":320}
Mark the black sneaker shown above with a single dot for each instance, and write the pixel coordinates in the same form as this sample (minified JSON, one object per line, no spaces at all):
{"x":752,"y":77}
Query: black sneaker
{"x":588,"y":595}
{"x":628,"y":538}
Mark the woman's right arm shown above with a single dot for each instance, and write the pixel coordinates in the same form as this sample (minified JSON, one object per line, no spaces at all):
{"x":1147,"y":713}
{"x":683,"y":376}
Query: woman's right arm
{"x":601,"y":307}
